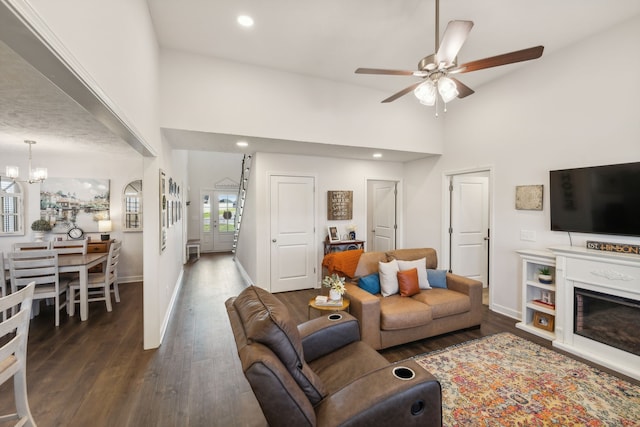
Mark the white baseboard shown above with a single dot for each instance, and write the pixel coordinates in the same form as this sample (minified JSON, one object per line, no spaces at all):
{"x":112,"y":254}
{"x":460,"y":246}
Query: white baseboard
{"x":243,"y":272}
{"x":500,"y":309}
{"x":172,"y":304}
{"x":130,"y":279}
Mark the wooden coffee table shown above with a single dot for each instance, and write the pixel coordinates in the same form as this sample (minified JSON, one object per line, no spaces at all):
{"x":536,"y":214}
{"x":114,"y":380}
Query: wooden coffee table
{"x":343,"y":307}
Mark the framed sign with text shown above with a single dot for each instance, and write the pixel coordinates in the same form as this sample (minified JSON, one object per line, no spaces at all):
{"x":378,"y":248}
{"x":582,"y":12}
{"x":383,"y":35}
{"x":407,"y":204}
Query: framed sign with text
{"x":339,"y":205}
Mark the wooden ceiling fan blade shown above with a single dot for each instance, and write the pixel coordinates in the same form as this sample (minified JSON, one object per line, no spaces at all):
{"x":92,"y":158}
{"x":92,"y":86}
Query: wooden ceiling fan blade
{"x":504,"y":59}
{"x":402,"y":92}
{"x":463,"y":89}
{"x":454,"y":37}
{"x":382,"y":71}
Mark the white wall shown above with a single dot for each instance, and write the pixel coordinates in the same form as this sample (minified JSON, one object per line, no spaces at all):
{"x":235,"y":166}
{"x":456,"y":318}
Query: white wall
{"x":119,"y":169}
{"x":331,"y":174}
{"x":558,"y":112}
{"x":212,"y":95}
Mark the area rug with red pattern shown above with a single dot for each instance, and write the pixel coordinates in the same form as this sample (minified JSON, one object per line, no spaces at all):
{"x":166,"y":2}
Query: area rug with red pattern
{"x":505,"y":380}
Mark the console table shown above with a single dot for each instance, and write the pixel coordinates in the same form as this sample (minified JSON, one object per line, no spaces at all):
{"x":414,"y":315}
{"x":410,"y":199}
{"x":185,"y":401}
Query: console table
{"x":343,"y":245}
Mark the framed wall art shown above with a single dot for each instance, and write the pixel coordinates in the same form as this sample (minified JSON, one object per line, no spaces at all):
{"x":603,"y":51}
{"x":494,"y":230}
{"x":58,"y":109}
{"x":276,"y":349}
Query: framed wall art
{"x":339,"y":205}
{"x":82,"y":202}
{"x":529,"y":197}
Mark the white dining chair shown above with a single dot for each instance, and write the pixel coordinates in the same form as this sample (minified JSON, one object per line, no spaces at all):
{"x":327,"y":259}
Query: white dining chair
{"x":14,"y":331}
{"x":99,"y":284}
{"x":70,"y":246}
{"x":20,"y":246}
{"x":41,"y":267}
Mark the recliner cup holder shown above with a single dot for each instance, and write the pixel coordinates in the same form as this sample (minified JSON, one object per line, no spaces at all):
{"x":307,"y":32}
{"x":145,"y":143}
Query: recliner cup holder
{"x":403,"y":373}
{"x":334,"y":317}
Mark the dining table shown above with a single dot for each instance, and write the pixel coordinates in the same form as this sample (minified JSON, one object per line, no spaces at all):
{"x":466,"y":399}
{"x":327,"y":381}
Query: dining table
{"x":78,"y":263}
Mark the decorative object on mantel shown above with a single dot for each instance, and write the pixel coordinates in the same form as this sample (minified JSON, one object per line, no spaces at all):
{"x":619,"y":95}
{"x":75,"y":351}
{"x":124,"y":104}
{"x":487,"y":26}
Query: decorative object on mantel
{"x":39,"y":227}
{"x":544,"y":275}
{"x":529,"y":197}
{"x":339,"y":205}
{"x":336,"y":287}
{"x":622,"y":248}
{"x":34,"y":176}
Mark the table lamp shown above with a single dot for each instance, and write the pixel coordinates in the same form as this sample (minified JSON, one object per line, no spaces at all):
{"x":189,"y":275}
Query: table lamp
{"x":104,"y":227}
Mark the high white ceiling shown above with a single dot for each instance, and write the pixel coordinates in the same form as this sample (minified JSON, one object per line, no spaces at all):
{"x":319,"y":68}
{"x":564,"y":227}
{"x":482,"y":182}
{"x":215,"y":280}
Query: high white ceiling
{"x":327,"y":39}
{"x":331,"y":38}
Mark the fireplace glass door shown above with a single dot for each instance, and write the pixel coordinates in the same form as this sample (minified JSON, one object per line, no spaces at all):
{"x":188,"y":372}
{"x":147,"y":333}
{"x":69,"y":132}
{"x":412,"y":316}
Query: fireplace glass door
{"x":609,"y":319}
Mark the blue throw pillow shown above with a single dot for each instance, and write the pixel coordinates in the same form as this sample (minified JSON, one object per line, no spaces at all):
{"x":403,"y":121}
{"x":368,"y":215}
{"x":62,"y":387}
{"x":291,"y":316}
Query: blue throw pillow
{"x":370,"y":283}
{"x":437,"y":278}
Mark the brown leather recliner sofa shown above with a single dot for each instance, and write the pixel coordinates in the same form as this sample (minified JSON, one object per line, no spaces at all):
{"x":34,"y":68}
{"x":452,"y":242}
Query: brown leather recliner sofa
{"x":320,"y":373}
{"x":393,"y":320}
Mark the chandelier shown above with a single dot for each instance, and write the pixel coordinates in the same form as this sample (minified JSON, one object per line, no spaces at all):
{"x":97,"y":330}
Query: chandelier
{"x":35,"y":174}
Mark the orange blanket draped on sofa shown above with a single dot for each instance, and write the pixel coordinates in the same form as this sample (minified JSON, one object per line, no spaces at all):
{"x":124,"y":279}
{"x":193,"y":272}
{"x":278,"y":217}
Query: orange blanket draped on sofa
{"x":342,"y":263}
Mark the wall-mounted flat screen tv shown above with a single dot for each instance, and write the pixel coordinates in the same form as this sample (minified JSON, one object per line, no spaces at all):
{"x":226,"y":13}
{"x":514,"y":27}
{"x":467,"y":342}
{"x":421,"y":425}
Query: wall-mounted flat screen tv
{"x":599,"y":199}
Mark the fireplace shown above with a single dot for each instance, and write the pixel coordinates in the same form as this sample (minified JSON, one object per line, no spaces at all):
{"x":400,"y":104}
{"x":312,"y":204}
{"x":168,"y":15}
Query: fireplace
{"x":609,"y":319}
{"x":598,"y":307}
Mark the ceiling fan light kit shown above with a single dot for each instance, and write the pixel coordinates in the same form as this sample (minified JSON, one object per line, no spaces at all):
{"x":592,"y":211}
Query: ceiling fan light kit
{"x":436,"y":69}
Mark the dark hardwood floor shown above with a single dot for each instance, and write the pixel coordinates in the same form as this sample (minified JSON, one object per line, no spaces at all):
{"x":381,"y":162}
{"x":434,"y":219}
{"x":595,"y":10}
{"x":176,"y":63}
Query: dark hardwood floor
{"x":95,"y":373}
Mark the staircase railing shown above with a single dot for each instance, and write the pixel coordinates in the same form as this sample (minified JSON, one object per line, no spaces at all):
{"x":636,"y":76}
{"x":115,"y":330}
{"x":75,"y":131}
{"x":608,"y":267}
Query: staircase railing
{"x":242,"y":196}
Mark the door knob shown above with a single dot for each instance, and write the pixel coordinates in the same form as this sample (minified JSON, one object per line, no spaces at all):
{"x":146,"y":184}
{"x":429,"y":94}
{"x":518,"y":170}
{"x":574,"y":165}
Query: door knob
{"x":273,"y":240}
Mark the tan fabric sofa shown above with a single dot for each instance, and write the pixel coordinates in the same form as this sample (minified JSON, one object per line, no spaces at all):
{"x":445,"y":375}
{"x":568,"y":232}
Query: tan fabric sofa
{"x":393,"y":320}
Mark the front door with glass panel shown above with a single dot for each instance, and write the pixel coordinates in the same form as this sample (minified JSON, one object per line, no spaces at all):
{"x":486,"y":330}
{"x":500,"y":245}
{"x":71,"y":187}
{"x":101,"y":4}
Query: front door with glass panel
{"x":217,"y":221}
{"x":224,"y":224}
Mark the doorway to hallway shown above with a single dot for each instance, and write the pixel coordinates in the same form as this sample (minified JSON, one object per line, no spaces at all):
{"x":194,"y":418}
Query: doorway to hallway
{"x":382,"y":215}
{"x":466,"y":226}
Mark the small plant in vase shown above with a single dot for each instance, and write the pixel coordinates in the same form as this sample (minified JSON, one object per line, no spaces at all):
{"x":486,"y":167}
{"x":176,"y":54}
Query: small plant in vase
{"x":336,"y":287}
{"x":544,"y":275}
{"x":39,"y":227}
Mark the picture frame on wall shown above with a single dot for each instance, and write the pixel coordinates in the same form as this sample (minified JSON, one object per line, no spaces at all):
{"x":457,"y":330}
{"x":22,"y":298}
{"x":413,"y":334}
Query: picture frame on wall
{"x":333,"y":234}
{"x":163,"y":223}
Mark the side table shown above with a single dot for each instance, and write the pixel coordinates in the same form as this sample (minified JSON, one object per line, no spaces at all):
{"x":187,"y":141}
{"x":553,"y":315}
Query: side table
{"x":343,"y":307}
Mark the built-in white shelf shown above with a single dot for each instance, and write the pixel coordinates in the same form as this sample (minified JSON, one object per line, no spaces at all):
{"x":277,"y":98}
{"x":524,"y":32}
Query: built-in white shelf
{"x":532,"y":261}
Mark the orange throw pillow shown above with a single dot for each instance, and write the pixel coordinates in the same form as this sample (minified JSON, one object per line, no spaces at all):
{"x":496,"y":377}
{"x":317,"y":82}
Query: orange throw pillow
{"x":408,"y":282}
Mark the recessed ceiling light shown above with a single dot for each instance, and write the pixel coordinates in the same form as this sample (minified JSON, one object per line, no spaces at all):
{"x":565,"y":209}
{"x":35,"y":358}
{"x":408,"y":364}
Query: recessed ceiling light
{"x":377,"y":155}
{"x":245,"y":21}
{"x":242,"y":144}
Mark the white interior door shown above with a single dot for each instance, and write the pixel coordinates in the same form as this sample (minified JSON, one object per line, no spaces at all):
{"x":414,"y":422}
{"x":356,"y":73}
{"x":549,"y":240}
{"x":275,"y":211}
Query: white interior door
{"x":470,"y":227}
{"x":293,"y":251}
{"x":207,"y":217}
{"x":382,"y":215}
{"x":225,"y":204}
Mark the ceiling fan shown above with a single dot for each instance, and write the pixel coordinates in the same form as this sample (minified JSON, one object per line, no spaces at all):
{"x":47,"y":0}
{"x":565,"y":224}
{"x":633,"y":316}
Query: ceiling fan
{"x":436,"y":70}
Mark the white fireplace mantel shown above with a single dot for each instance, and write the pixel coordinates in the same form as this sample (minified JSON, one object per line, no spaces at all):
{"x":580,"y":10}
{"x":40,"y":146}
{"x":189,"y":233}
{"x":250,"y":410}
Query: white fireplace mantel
{"x":606,"y":272}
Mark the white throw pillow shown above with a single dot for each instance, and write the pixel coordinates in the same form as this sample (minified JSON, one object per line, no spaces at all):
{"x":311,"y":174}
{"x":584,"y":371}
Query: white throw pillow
{"x":388,"y":272}
{"x":421,"y":266}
